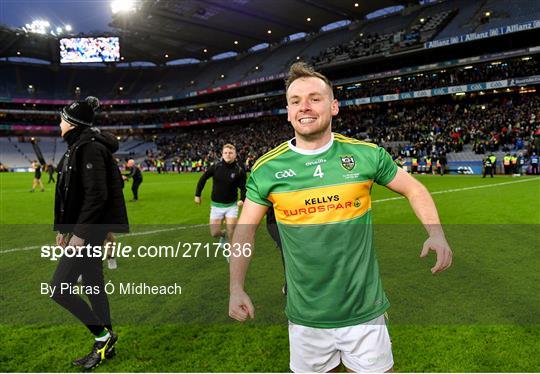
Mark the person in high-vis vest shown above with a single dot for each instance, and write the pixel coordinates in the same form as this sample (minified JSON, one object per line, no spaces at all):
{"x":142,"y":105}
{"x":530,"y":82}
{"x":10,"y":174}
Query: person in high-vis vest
{"x":429,"y":165}
{"x":507,"y":163}
{"x":514,"y":163}
{"x":414,"y":162}
{"x":493,"y":160}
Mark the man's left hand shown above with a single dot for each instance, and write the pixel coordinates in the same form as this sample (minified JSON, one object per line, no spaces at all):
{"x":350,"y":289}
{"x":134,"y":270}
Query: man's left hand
{"x":444,"y":253}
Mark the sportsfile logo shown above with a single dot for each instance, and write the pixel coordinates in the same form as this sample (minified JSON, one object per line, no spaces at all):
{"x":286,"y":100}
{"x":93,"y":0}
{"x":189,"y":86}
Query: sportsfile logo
{"x":285,"y":174}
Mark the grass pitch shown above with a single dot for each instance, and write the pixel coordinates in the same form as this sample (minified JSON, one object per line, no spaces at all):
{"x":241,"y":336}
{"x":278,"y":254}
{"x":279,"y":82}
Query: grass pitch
{"x":482,"y":315}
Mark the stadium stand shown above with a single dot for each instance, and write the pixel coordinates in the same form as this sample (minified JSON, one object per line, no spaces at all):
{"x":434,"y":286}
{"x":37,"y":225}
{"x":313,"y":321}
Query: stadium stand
{"x":11,"y":155}
{"x":361,"y":38}
{"x":469,"y":74}
{"x":174,"y":96}
{"x":501,"y":14}
{"x":277,"y":59}
{"x":381,"y":36}
{"x":17,"y":152}
{"x":464,"y":131}
{"x":462,"y":23}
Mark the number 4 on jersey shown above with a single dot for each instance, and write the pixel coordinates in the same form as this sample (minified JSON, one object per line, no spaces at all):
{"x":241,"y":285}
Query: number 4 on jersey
{"x":318,"y":172}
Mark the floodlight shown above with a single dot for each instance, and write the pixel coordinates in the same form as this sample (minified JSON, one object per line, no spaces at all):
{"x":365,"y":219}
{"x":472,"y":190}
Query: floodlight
{"x":123,"y":6}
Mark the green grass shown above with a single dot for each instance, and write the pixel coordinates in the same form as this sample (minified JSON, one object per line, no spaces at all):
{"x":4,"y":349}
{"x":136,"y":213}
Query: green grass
{"x":480,"y":316}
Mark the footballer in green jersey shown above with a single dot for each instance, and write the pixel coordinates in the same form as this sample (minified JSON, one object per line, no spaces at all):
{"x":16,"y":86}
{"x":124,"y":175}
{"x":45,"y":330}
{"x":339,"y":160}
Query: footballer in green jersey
{"x":322,"y":205}
{"x":319,"y":184}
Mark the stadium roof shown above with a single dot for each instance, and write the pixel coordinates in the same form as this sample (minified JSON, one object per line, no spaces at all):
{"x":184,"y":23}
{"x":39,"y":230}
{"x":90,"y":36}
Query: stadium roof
{"x":166,"y":30}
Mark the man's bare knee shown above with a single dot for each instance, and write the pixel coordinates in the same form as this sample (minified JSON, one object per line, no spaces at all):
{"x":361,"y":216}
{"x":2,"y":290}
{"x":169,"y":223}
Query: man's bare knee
{"x":215,"y":227}
{"x":215,"y":231}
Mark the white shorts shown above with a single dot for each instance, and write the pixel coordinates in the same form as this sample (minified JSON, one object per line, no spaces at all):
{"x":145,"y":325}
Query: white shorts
{"x":361,"y":348}
{"x":220,"y":213}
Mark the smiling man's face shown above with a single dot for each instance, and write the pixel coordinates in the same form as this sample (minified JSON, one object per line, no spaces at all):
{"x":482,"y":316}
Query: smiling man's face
{"x":310,"y":107}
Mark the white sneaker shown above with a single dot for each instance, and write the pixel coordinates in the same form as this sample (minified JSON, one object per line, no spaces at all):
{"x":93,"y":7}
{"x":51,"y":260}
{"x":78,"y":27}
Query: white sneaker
{"x":111,"y":263}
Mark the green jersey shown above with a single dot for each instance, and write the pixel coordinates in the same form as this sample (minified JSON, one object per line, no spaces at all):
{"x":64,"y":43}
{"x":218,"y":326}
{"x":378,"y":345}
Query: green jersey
{"x":322,"y":204}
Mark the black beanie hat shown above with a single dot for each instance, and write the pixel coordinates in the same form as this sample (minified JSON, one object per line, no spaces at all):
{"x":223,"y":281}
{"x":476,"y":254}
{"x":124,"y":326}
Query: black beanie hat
{"x":81,"y":113}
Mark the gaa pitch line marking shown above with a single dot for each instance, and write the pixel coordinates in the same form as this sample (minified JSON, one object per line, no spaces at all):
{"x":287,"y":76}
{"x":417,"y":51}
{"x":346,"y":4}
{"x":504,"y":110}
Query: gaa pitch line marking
{"x":374,"y":201}
{"x":53,"y":189}
{"x":462,"y":189}
{"x":118,"y":236}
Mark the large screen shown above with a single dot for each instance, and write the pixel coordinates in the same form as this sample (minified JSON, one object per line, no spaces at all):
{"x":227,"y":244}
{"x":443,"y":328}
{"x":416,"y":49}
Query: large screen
{"x":102,"y":49}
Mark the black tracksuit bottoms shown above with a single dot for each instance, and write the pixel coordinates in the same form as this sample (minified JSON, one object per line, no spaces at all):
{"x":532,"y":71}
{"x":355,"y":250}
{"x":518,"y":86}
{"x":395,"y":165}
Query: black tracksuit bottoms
{"x":96,"y":315}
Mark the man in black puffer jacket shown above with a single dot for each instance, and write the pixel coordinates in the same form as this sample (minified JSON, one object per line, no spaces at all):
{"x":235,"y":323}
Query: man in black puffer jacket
{"x":89,"y":203}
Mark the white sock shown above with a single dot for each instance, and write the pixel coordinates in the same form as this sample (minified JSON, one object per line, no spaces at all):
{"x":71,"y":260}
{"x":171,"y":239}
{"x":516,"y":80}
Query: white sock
{"x":103,"y":338}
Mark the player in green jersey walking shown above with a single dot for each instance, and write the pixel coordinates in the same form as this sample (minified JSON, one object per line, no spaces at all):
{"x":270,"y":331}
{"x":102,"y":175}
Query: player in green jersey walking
{"x":319,"y":184}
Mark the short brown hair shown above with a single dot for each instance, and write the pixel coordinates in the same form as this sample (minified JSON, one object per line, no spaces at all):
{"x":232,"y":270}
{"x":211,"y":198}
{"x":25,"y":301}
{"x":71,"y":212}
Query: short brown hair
{"x":302,"y":70}
{"x":230,"y":146}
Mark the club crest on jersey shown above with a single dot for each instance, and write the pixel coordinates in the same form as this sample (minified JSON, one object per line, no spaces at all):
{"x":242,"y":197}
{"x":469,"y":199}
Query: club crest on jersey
{"x":348,"y":162}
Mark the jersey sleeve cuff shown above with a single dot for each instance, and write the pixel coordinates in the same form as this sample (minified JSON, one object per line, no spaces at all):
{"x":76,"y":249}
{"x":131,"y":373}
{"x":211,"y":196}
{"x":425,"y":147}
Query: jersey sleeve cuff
{"x":389,"y":178}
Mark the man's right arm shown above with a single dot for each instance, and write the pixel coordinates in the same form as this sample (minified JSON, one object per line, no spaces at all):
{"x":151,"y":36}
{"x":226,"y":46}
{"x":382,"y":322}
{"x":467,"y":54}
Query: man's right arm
{"x":202,"y":181}
{"x":240,"y":305}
